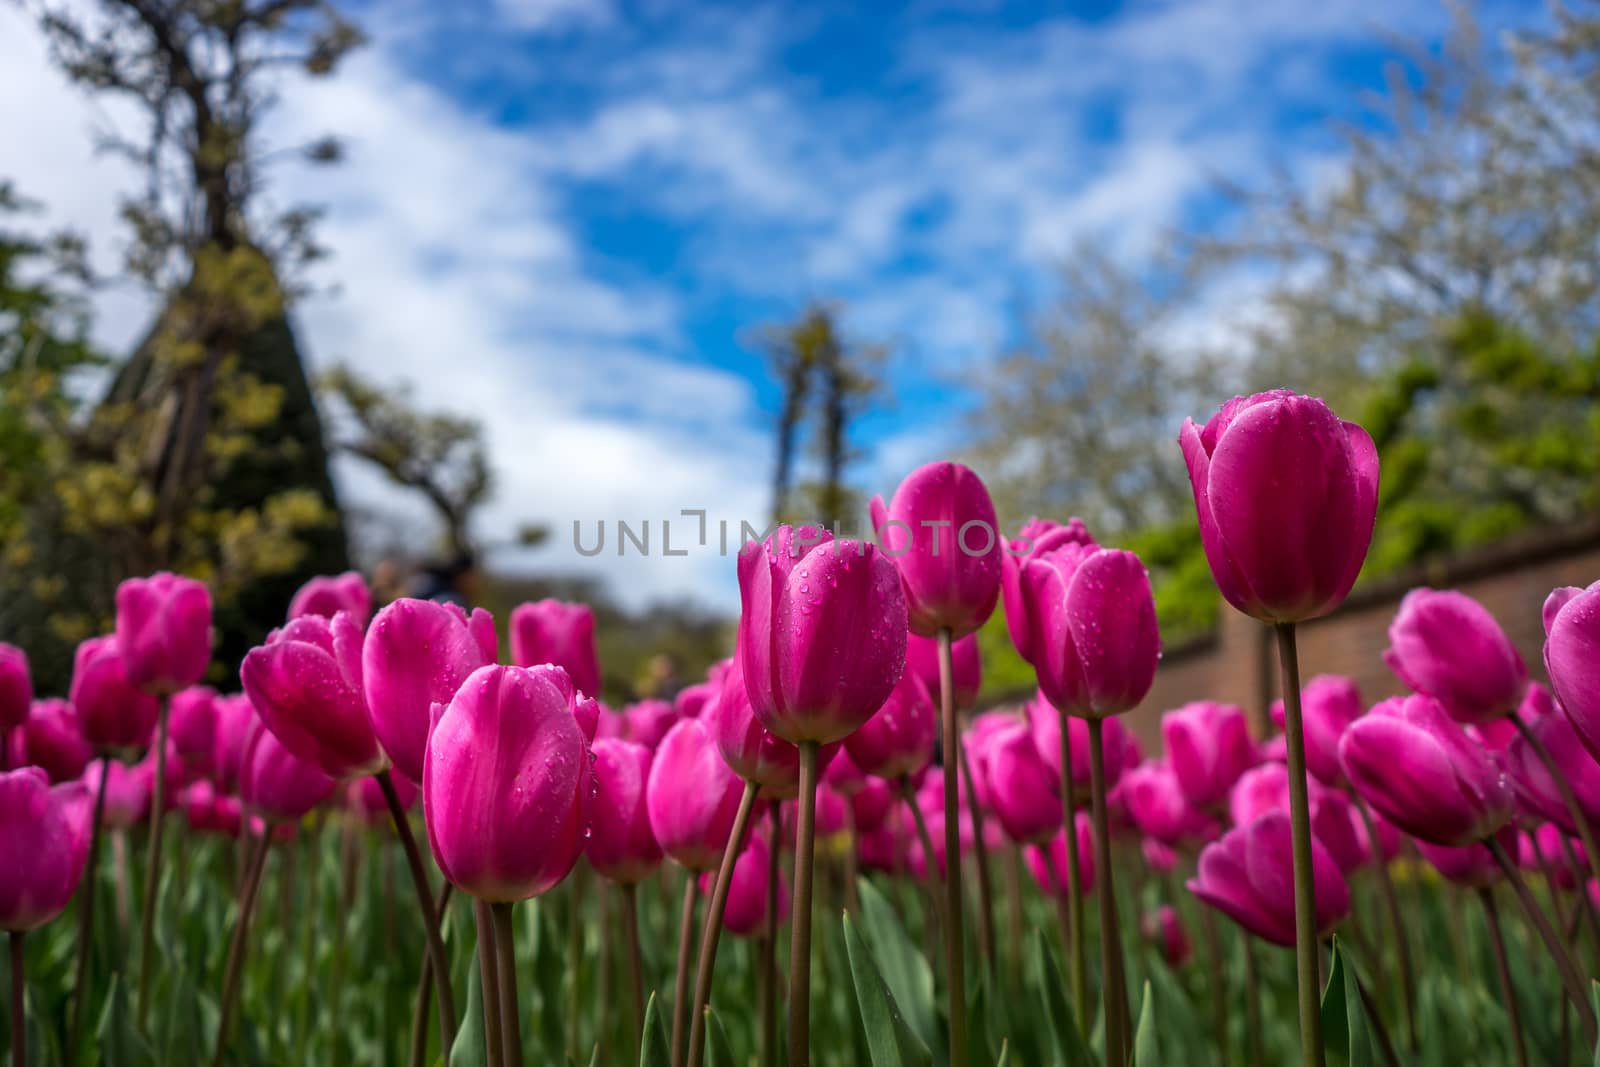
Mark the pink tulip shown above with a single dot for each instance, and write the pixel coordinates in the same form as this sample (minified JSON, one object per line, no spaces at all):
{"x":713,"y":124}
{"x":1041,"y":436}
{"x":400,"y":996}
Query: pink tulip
{"x":922,"y":659}
{"x":822,"y":634}
{"x":692,"y":700}
{"x":52,"y":739}
{"x":1536,"y":789}
{"x":1092,"y":621}
{"x":112,"y":712}
{"x":327,"y":595}
{"x":1027,"y":793}
{"x":1045,"y":723}
{"x":942,"y":533}
{"x":691,"y":797}
{"x":1158,"y":807}
{"x":841,"y":775}
{"x":1164,"y":929}
{"x":898,"y":739}
{"x":1209,"y":747}
{"x":367,"y":803}
{"x":192,"y":728}
{"x":1473,"y":865}
{"x":236,"y":719}
{"x":1446,"y":645}
{"x":275,"y":783}
{"x":1158,"y":857}
{"x":1571,"y":652}
{"x":1333,"y":821}
{"x":869,"y":804}
{"x":16,"y":687}
{"x":1547,"y":850}
{"x":210,"y":811}
{"x":1048,"y":864}
{"x":508,"y":787}
{"x":745,"y":914}
{"x":753,"y":752}
{"x":417,"y":654}
{"x":1286,"y":495}
{"x":648,"y":722}
{"x":1417,"y":768}
{"x":164,"y":631}
{"x":1249,"y":876}
{"x":127,"y":791}
{"x":305,"y":683}
{"x":44,"y":842}
{"x":1037,"y":537}
{"x":1329,"y":703}
{"x":621,"y":846}
{"x":832,"y":814}
{"x":552,"y":631}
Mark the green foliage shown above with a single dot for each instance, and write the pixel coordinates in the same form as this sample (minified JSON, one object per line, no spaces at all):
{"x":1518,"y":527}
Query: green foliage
{"x":1344,"y":1025}
{"x":889,"y":1038}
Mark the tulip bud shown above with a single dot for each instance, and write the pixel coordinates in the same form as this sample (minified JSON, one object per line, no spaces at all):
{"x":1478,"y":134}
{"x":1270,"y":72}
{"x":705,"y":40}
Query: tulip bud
{"x":1208,"y":746}
{"x":750,"y":748}
{"x":236,"y":718}
{"x":327,"y":595}
{"x":552,"y":631}
{"x":1037,"y":537}
{"x":841,"y":774}
{"x":1164,"y":929}
{"x":16,"y":687}
{"x":1158,"y":857}
{"x":365,"y":799}
{"x":1548,"y":851}
{"x":1446,"y":645}
{"x":745,"y":914}
{"x":1249,"y":876}
{"x":1571,"y":652}
{"x":942,"y":533}
{"x":621,"y":846}
{"x":192,"y":728}
{"x":1026,"y":792}
{"x":44,"y":842}
{"x":648,"y":722}
{"x":692,"y":700}
{"x":1329,"y":703}
{"x":822,"y":633}
{"x":164,"y":631}
{"x":1045,"y":723}
{"x":53,"y":740}
{"x":1158,"y":807}
{"x":1092,"y":621}
{"x":127,"y":791}
{"x":417,"y":654}
{"x":870,"y":804}
{"x":508,"y":784}
{"x":1412,"y":763}
{"x":1286,"y":496}
{"x":1048,"y":864}
{"x":922,"y":659}
{"x":277,"y":784}
{"x":112,"y":712}
{"x":305,"y":683}
{"x":1472,"y":866}
{"x":1537,"y":791}
{"x":1333,"y":820}
{"x":692,"y":797}
{"x":898,"y":739}
{"x":209,"y":811}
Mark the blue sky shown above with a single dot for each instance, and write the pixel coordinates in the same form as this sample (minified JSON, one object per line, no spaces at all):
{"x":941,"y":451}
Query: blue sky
{"x":565,"y":216}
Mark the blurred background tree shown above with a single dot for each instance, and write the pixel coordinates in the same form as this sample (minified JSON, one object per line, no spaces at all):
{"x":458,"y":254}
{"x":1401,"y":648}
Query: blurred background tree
{"x":205,"y":454}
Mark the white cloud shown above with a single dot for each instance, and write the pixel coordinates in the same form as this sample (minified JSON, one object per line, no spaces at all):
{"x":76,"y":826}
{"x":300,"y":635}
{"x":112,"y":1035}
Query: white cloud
{"x":543,"y":16}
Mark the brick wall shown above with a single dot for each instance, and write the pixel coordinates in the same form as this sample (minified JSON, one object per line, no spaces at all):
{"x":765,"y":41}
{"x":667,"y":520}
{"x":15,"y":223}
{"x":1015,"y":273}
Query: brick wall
{"x":1238,"y":664}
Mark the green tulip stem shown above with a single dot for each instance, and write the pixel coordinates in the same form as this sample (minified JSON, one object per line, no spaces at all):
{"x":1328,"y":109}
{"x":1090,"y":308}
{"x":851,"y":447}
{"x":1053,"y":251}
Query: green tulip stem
{"x":19,"y":1008}
{"x":152,"y":869}
{"x":430,"y":915}
{"x":980,"y":855}
{"x":954,"y":946}
{"x":1491,"y":915}
{"x":800,"y":923}
{"x":1077,"y":951}
{"x":930,"y":858}
{"x":424,"y":998}
{"x":234,"y":970}
{"x":1391,"y":901}
{"x":713,"y":924}
{"x":1309,"y":983}
{"x":1570,"y":977}
{"x":630,"y":924}
{"x":1252,"y":1003}
{"x":86,"y":891}
{"x":680,"y":987}
{"x":505,"y":961}
{"x":1115,"y":986}
{"x":489,"y":982}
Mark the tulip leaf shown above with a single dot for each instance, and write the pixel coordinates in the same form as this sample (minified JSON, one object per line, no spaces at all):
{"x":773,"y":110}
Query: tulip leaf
{"x":718,"y":1054}
{"x":119,"y":1040}
{"x":904,"y":969}
{"x":1071,"y":1051}
{"x":1594,"y":1000}
{"x":657,"y":1050}
{"x":468,"y":1049}
{"x":1145,"y":1051}
{"x":890,"y":1042}
{"x":1344,"y":1024}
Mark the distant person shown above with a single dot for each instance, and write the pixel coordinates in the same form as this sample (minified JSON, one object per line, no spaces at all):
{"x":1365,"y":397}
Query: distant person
{"x":448,"y":581}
